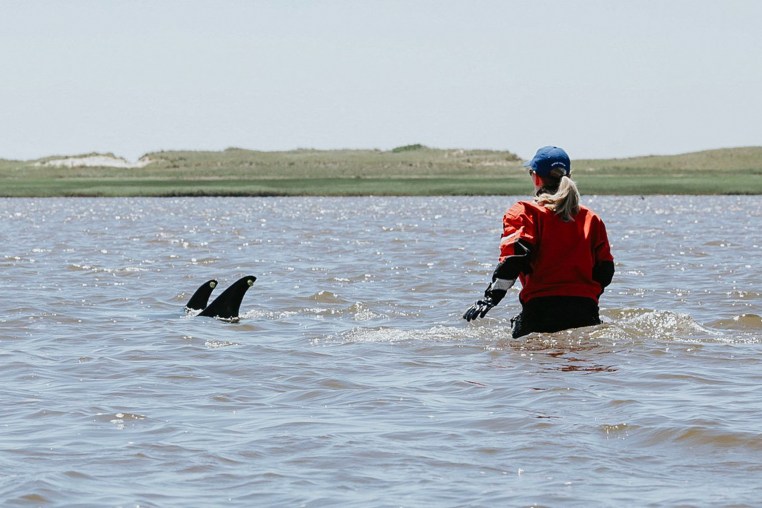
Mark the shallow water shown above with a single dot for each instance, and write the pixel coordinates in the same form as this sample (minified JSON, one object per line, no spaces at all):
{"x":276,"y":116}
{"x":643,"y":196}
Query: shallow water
{"x":351,"y":379}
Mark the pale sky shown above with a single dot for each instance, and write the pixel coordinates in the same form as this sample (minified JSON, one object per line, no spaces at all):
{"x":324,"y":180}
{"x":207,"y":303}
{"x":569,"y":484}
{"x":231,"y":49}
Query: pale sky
{"x":601,"y":78}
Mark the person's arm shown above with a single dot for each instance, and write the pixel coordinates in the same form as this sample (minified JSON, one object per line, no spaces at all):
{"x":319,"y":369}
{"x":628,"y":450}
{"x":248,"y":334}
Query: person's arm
{"x":515,"y":249}
{"x":603,"y":270}
{"x":514,"y":259}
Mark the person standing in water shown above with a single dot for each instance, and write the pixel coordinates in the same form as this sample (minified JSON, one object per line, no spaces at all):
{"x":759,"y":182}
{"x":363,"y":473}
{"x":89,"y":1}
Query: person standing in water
{"x":557,"y":248}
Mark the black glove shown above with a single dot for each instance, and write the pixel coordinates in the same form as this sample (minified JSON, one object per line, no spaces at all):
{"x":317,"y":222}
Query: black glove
{"x":491,"y":298}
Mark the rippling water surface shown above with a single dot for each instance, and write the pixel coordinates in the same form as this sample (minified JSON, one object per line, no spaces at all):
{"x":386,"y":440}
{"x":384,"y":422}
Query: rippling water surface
{"x":351,"y":379}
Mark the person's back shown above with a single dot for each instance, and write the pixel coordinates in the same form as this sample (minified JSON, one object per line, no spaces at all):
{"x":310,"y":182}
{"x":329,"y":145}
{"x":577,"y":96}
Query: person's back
{"x":557,"y":248}
{"x":565,"y":252}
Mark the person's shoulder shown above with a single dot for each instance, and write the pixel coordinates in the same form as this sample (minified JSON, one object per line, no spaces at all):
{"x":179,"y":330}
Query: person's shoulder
{"x":523,"y":209}
{"x":518,"y":208}
{"x":525,"y":206}
{"x":589,"y":214}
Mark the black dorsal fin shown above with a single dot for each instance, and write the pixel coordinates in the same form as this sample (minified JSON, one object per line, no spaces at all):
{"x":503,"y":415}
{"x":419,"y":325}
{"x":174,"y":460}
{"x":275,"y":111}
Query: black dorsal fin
{"x":227,"y":305}
{"x":200,"y":298}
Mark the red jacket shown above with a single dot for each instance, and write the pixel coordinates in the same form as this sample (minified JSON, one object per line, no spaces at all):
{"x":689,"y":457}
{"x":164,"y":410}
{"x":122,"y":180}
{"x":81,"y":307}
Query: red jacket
{"x":552,"y":257}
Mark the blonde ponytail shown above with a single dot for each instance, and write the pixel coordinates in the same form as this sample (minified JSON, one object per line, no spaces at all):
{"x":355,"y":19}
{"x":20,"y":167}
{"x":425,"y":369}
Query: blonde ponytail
{"x":560,"y":196}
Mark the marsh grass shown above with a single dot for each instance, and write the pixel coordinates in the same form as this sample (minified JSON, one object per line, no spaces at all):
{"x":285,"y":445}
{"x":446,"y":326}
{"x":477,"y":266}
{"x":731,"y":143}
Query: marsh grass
{"x":409,"y":170}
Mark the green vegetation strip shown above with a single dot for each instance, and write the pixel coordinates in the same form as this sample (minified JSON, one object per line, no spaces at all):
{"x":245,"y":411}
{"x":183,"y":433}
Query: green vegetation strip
{"x":413,"y":170}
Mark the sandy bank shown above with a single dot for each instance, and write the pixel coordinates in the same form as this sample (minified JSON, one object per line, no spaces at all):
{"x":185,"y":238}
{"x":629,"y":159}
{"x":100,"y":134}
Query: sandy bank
{"x":107,"y":161}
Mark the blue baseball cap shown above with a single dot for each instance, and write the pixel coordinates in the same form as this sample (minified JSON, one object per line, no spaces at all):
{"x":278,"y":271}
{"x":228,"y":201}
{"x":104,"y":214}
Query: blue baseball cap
{"x":549,"y":158}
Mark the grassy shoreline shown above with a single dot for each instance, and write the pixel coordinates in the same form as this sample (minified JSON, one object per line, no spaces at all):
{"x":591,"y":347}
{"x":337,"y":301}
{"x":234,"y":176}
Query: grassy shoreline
{"x":406,"y":171}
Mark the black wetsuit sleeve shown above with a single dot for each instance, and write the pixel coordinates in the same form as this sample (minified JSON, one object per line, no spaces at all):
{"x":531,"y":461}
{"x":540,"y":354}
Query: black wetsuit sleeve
{"x":603,"y":272}
{"x":513,"y":265}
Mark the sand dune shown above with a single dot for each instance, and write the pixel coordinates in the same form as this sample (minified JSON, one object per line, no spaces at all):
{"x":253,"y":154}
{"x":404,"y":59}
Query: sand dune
{"x":108,"y":161}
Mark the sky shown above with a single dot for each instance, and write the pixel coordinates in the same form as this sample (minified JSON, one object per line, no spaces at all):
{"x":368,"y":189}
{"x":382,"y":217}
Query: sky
{"x":599,"y":78}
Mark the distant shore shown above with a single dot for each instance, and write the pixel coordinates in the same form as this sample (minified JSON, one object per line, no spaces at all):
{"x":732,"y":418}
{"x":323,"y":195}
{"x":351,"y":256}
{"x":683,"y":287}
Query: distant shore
{"x":412,"y":170}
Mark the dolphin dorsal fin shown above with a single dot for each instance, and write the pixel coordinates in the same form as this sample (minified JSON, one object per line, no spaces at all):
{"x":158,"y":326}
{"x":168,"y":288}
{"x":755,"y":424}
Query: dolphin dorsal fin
{"x":200,"y":298}
{"x":227,"y":305}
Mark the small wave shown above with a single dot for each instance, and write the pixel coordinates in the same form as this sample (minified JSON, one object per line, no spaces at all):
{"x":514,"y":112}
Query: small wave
{"x":694,"y":436}
{"x":655,"y":324}
{"x":258,"y":314}
{"x":119,"y":420}
{"x":327,"y":297}
{"x":743,"y":322}
{"x":394,"y":335}
{"x":35,"y":498}
{"x":744,"y":295}
{"x":742,"y":329}
{"x":708,"y":436}
{"x":218,"y":344}
{"x":356,"y":311}
{"x":320,"y":312}
{"x":361,"y":313}
{"x":638,"y":324}
{"x":17,"y":260}
{"x":587,"y":338}
{"x":204,"y":261}
{"x":617,"y":430}
{"x":99,"y":269}
{"x":718,"y":243}
{"x":622,"y":326}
